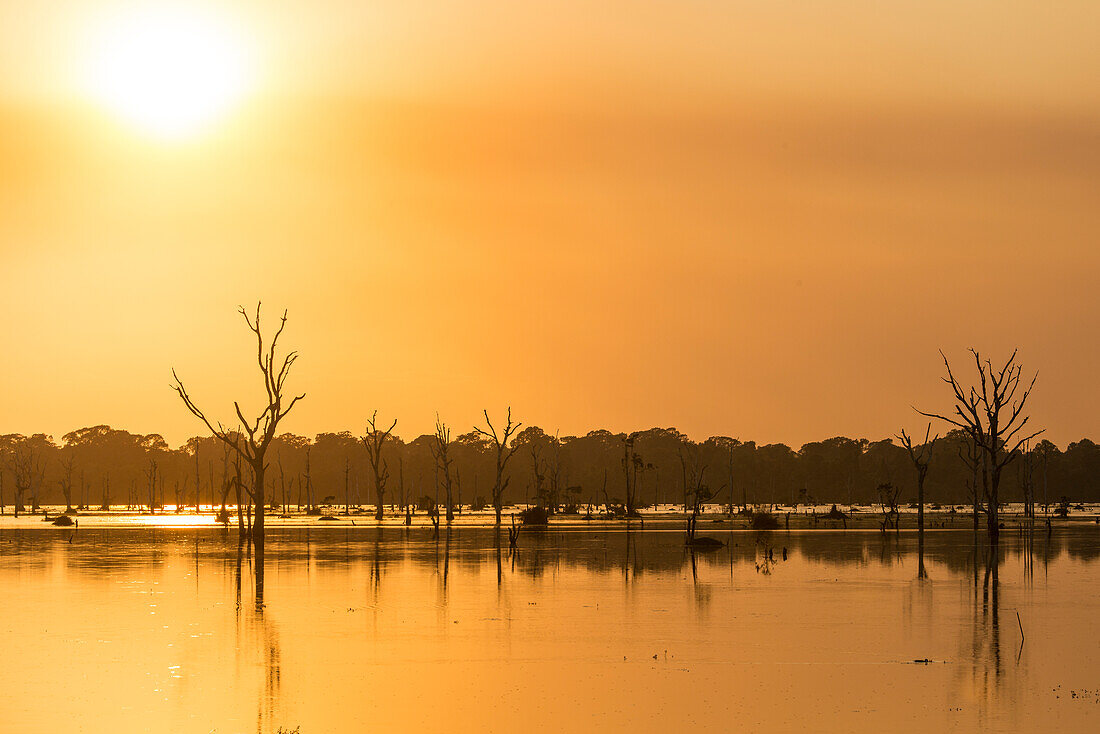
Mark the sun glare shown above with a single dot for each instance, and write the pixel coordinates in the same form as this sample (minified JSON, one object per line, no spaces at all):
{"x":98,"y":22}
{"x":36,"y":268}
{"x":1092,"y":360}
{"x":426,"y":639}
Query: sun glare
{"x":170,"y":72}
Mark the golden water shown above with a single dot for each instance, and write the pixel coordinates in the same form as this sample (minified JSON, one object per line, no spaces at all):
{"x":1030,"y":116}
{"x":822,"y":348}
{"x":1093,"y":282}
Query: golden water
{"x":157,"y":629}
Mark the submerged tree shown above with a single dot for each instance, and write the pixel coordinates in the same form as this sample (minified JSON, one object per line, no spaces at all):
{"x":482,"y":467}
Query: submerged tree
{"x":440,"y":447}
{"x":251,"y":439}
{"x":697,"y":492}
{"x":505,"y":447}
{"x":992,"y":414}
{"x":151,"y":478}
{"x":66,"y":480}
{"x":631,"y":463}
{"x":1025,"y":478}
{"x":888,"y":502}
{"x":921,"y":456}
{"x":28,"y":468}
{"x":375,"y":442}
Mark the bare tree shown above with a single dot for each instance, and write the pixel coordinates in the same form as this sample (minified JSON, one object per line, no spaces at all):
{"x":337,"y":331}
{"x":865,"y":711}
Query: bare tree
{"x":440,"y":448}
{"x":921,"y":456}
{"x":197,"y":482}
{"x":311,"y":507}
{"x":151,"y":476}
{"x":223,"y":515}
{"x":374,"y":442}
{"x":253,"y":438}
{"x":632,"y":463}
{"x":888,"y":502}
{"x":698,"y":492}
{"x":66,"y":480}
{"x":347,"y":475}
{"x":27,"y":467}
{"x":505,"y":447}
{"x":1025,"y":475}
{"x":992,"y":414}
{"x":106,"y":504}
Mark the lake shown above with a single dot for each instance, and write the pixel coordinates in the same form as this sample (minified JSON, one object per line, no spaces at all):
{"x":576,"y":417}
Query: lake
{"x":135,"y":629}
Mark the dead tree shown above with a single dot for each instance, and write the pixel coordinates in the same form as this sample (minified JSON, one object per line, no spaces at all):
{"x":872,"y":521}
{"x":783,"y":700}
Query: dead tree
{"x":26,"y":466}
{"x":223,"y":516}
{"x":347,"y":475}
{"x":375,"y":442}
{"x":405,"y":507}
{"x":66,"y":481}
{"x":106,"y":504}
{"x":698,"y":493}
{"x":888,"y":501}
{"x":151,"y":476}
{"x":504,"y":447}
{"x":554,"y":473}
{"x":440,"y":448}
{"x":252,"y":439}
{"x":632,"y":462}
{"x":1025,"y":475}
{"x":992,"y":414}
{"x":921,"y":456}
{"x":282,"y":483}
{"x":311,"y":507}
{"x":197,"y":482}
{"x":38,"y":479}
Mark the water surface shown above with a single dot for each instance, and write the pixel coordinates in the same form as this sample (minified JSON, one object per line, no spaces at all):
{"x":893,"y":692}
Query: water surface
{"x":393,"y":629}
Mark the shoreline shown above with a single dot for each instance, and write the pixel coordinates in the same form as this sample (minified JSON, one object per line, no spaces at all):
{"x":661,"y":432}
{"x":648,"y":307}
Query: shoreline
{"x":859,"y":518}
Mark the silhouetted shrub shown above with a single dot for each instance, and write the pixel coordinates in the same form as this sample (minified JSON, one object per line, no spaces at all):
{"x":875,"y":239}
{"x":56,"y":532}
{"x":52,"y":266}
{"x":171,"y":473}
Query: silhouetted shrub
{"x":764,"y":521}
{"x":534,"y":516}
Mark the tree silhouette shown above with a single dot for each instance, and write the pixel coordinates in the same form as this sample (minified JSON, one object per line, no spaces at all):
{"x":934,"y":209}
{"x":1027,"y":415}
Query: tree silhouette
{"x":441,"y":451}
{"x":992,"y":414}
{"x":375,"y":441}
{"x":252,"y":439}
{"x":504,"y":447}
{"x":921,"y":456}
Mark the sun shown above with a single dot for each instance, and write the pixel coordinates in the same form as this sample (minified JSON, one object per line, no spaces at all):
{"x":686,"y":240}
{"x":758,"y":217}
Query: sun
{"x":169,"y":71}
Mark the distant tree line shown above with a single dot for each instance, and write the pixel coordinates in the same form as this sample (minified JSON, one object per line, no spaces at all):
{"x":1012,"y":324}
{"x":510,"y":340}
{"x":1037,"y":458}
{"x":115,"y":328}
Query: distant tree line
{"x":101,"y":466}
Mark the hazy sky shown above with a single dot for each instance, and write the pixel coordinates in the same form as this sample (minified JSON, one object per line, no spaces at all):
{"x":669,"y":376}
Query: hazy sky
{"x":758,"y":219}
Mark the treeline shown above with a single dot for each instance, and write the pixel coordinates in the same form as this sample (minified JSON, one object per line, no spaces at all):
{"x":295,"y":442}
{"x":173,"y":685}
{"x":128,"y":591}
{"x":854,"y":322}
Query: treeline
{"x":100,"y":465}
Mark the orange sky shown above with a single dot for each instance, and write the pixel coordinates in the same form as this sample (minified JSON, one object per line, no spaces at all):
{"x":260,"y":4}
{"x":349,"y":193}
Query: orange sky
{"x":758,"y":219}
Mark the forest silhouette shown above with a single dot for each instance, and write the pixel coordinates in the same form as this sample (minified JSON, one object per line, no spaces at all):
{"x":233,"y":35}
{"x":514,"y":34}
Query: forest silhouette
{"x":99,"y":464}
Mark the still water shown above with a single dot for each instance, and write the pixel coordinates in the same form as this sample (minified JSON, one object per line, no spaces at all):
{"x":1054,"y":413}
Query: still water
{"x":396,"y":630}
